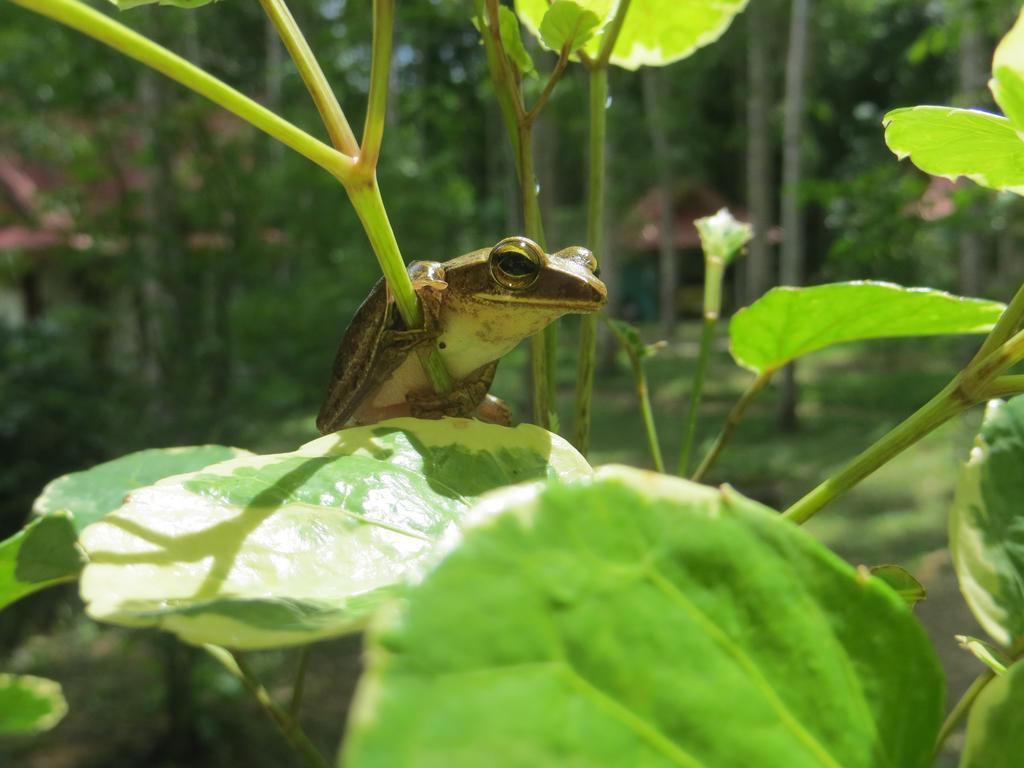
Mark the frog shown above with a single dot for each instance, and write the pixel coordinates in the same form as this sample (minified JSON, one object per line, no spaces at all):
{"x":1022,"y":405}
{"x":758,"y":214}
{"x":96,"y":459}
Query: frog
{"x":476,"y":308}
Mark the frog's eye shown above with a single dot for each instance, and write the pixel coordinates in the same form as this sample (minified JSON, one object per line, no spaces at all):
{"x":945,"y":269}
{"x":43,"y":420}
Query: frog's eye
{"x":515,"y":263}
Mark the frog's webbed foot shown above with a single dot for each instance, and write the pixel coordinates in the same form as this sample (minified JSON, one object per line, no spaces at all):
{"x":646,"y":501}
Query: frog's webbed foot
{"x":494,"y":410}
{"x":463,"y":400}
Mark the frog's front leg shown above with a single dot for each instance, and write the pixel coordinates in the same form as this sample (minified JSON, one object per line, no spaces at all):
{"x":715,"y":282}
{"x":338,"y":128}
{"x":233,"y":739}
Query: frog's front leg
{"x":461,"y":401}
{"x":429,"y":284}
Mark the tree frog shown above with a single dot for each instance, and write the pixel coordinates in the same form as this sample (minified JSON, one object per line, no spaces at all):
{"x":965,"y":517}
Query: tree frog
{"x":476,"y":308}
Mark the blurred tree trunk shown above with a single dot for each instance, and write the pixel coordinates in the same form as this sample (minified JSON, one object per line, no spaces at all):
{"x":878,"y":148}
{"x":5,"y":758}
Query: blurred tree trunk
{"x":667,"y":268}
{"x":758,"y":265}
{"x":791,"y":266}
{"x":152,"y":243}
{"x":972,"y":77}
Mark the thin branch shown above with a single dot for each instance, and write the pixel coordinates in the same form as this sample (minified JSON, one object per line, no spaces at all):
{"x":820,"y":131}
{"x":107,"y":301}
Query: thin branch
{"x":549,"y":87}
{"x":313,"y":76}
{"x":731,"y":422}
{"x":100,"y":27}
{"x":611,"y":34}
{"x":961,"y":709}
{"x":504,"y":78}
{"x":1008,"y":322}
{"x":643,"y":395}
{"x":707,"y":337}
{"x":299,"y":686}
{"x":937,"y":411}
{"x":287,"y":725}
{"x":1004,"y":386}
{"x":380,"y":72}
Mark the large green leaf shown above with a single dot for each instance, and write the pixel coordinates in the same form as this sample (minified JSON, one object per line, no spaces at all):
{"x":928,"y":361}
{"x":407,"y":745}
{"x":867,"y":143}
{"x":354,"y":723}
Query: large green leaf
{"x":632,"y":619}
{"x":89,"y":495}
{"x":948,"y":142}
{"x":281,"y":549}
{"x":655,"y":32}
{"x":44,"y":553}
{"x":29,"y":704}
{"x":787,"y":323}
{"x":996,"y":722}
{"x":986,"y":527}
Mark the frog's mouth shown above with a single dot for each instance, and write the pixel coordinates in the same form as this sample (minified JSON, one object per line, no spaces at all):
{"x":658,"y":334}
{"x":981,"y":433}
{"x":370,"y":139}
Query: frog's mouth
{"x":585,"y":305}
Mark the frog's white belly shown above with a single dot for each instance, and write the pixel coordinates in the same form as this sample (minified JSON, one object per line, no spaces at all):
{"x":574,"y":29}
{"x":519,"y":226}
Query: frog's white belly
{"x":475,"y":334}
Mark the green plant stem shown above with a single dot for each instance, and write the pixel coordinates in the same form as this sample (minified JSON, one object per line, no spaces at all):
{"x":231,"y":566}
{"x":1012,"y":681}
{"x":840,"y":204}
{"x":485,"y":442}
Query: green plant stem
{"x":287,"y":725}
{"x":974,"y":384}
{"x":370,"y":208}
{"x":1005,"y":386}
{"x":643,"y":395}
{"x":313,"y":76}
{"x":932,"y":414}
{"x":361,"y":183}
{"x":96,"y":25}
{"x":1008,"y":322}
{"x":731,"y":422}
{"x":714,"y":272}
{"x":556,"y":74}
{"x":510,"y":99}
{"x":611,"y":34}
{"x":962,"y":707}
{"x":586,"y":362}
{"x":380,"y":72}
{"x":707,"y":337}
{"x":299,"y":686}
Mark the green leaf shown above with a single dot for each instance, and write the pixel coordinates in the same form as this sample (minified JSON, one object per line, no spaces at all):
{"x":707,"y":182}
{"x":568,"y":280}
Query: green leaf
{"x":45,"y":553}
{"x":40,"y":555}
{"x":901,"y":582}
{"x":654,"y":33}
{"x":90,"y":495}
{"x":986,"y":525}
{"x":511,"y":41}
{"x":722,"y":236}
{"x":1007,"y":84}
{"x":125,"y":5}
{"x":951,"y":143}
{"x":29,"y":704}
{"x":995,"y":723}
{"x":787,"y":323}
{"x":265,"y":551}
{"x":986,"y":653}
{"x":632,"y":619}
{"x":567,"y":23}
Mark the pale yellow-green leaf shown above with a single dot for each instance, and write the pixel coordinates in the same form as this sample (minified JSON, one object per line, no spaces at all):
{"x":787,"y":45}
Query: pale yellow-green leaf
{"x":654,"y":33}
{"x":1007,"y":82}
{"x":951,"y":143}
{"x":986,"y":524}
{"x":265,"y":551}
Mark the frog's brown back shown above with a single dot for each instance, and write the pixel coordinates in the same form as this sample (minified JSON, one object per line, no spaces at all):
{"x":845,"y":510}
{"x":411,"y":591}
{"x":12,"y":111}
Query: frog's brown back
{"x":358,"y":362}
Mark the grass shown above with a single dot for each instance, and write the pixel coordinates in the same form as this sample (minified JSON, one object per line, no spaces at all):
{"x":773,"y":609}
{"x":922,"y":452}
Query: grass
{"x":117,"y":681}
